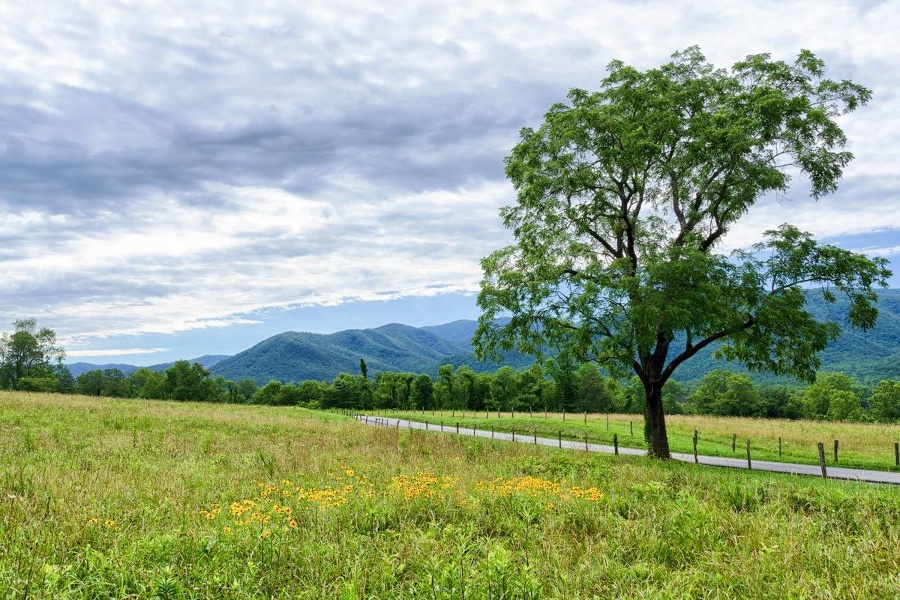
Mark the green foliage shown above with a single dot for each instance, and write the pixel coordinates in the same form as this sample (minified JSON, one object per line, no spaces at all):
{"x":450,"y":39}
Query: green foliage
{"x":423,"y":392}
{"x":885,"y":401}
{"x":725,"y":393}
{"x":833,"y":396}
{"x":268,"y":393}
{"x":623,"y":197}
{"x":186,"y":381}
{"x":311,"y":393}
{"x":30,"y":357}
{"x":780,"y":402}
{"x":148,"y":384}
{"x":504,"y":389}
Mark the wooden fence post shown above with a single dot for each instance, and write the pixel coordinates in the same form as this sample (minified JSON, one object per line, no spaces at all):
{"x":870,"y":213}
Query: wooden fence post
{"x":749,"y":463}
{"x":822,"y":459}
{"x":585,"y":442}
{"x":779,"y":447}
{"x":514,"y":434}
{"x":631,"y":427}
{"x":696,"y":460}
{"x":733,"y":441}
{"x":835,"y":450}
{"x":607,"y":421}
{"x":457,"y":427}
{"x":616,"y":443}
{"x":560,"y":438}
{"x":535,"y":435}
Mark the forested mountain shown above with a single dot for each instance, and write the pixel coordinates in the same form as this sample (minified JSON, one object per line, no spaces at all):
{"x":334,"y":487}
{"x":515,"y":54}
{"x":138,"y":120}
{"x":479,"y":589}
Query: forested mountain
{"x":869,"y":356}
{"x":294,"y":356}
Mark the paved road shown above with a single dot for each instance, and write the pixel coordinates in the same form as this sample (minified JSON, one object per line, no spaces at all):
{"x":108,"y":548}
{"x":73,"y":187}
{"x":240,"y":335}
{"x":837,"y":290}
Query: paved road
{"x":716,"y":461}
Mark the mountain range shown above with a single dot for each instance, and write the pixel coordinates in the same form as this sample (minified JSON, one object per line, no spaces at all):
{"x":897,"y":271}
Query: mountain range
{"x":207,"y":360}
{"x":295,"y":356}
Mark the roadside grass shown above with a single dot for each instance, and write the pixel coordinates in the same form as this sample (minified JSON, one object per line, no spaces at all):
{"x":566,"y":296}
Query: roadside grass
{"x":104,"y":498}
{"x":861,"y":445}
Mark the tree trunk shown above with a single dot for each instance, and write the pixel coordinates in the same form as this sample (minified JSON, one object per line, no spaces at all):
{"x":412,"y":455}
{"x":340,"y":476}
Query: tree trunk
{"x":656,"y":421}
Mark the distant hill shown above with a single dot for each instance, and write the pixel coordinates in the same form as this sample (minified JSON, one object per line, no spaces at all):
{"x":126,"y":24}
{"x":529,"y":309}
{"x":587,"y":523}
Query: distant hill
{"x":207,"y":360}
{"x":83,"y":367}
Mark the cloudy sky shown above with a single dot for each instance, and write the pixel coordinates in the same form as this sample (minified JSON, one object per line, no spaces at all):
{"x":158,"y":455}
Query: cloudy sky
{"x":185,"y":178}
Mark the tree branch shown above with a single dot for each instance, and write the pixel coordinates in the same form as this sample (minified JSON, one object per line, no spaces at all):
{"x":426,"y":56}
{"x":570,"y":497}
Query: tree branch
{"x":689,"y":352}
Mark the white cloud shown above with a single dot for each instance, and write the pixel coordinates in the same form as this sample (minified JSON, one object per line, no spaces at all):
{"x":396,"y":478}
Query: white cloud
{"x":172,"y":166}
{"x":881,"y":251}
{"x":114,"y":352}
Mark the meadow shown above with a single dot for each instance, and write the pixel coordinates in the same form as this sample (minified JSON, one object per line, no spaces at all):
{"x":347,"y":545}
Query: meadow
{"x":104,"y":498}
{"x":860,"y":445}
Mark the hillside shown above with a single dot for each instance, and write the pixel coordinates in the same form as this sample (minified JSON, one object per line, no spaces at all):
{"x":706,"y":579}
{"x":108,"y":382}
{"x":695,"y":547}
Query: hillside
{"x":294,"y":356}
{"x":870,"y":356}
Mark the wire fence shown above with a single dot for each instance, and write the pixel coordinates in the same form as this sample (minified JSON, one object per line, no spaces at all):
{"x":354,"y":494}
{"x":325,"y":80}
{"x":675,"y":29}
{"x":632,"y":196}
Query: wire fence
{"x":621,"y":438}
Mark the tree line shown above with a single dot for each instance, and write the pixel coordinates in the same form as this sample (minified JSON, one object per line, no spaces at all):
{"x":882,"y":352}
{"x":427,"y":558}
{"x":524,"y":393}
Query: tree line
{"x":554,"y":388}
{"x":31,"y":360}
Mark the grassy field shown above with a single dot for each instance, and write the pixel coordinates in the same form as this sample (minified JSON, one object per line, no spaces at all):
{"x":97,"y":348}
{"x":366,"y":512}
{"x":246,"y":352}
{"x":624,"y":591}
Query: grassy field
{"x":102,"y":498}
{"x":861,"y":445}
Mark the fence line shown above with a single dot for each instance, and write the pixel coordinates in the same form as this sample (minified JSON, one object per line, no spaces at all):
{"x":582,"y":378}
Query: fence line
{"x":610,"y":440}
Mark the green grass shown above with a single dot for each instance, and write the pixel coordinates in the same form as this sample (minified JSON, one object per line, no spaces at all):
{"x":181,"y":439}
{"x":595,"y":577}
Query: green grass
{"x":105,"y":498}
{"x":861,"y":445}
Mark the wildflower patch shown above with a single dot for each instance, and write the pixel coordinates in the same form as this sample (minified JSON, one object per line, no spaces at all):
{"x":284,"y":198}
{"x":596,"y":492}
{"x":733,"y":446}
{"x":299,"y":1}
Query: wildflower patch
{"x":284,"y":506}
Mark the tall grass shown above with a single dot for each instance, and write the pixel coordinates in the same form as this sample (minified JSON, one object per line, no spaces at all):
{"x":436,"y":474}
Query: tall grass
{"x":103,"y":498}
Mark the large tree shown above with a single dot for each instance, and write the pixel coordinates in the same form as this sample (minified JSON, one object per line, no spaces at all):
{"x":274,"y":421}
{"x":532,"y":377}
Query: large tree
{"x":624,"y":197}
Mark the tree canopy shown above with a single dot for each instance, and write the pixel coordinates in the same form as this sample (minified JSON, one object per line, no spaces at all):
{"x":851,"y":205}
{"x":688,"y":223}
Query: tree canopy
{"x":30,"y":358}
{"x":624,"y":197}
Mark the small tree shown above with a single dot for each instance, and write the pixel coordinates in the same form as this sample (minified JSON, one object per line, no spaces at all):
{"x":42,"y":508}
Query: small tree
{"x":423,"y":392}
{"x":623,"y":199}
{"x":32,"y":354}
{"x":724,"y":393}
{"x":832,"y":396}
{"x":186,"y":381}
{"x":885,"y":401}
